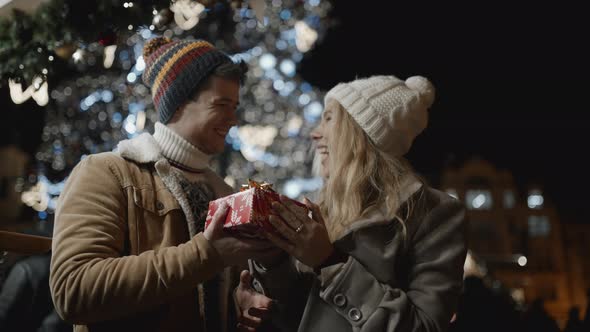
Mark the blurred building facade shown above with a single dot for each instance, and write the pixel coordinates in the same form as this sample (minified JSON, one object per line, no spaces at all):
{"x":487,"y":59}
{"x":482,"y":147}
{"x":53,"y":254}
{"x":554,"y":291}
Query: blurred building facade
{"x":13,"y":163}
{"x":577,"y":246}
{"x":517,"y":238}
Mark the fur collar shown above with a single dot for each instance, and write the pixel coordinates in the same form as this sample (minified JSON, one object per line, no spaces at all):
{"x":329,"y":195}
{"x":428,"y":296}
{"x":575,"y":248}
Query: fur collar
{"x":142,"y":149}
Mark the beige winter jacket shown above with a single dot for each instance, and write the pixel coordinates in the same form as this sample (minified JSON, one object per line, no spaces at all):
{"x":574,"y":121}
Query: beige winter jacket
{"x":123,"y":259}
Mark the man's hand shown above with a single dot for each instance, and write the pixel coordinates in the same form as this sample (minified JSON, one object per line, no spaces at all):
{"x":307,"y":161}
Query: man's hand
{"x":235,"y":251}
{"x":254,"y":307}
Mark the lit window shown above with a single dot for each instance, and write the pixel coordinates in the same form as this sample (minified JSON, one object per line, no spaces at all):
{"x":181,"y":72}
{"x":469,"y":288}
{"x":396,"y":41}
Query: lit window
{"x":535,"y":199}
{"x":509,"y":199}
{"x":479,"y":199}
{"x":453,"y":193}
{"x":539,"y":226}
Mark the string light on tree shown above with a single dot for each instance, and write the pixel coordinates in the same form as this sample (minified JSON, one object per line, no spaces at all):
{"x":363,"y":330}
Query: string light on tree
{"x":305,"y":36}
{"x":162,"y":18}
{"x":186,"y":13}
{"x":109,"y":56}
{"x":78,"y":55}
{"x":37,"y":91}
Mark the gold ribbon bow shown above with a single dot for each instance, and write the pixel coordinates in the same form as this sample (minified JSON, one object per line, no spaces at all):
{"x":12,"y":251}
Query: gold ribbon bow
{"x":254,"y":184}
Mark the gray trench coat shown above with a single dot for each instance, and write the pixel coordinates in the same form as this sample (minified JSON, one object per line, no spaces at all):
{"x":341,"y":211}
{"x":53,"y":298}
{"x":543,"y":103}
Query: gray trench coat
{"x":390,"y":282}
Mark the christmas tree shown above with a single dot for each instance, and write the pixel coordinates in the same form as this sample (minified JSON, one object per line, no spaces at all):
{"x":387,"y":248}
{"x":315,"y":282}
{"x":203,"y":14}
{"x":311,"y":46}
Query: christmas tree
{"x":95,"y":95}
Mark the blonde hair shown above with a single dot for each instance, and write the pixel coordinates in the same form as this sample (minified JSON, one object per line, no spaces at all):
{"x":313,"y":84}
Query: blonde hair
{"x":361,"y":175}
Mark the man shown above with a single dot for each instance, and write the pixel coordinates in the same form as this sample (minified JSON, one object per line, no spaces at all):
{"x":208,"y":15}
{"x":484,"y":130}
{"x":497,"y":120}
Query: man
{"x":129,"y":251}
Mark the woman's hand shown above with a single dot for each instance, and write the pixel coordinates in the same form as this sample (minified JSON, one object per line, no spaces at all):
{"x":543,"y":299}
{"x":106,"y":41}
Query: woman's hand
{"x":302,"y":237}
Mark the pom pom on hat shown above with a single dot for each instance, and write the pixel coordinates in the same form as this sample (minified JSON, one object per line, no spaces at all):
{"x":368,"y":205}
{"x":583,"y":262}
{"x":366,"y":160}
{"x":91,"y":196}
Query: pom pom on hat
{"x":423,"y":86}
{"x":153,"y":44}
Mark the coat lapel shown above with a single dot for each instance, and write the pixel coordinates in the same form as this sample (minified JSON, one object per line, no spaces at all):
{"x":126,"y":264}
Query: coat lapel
{"x":171,"y":179}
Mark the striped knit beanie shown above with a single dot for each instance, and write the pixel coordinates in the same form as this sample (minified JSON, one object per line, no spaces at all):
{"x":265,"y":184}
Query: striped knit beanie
{"x":392,"y":112}
{"x":174,"y":70}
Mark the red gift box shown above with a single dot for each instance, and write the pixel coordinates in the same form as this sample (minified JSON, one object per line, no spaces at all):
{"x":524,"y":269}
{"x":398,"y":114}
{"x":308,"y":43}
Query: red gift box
{"x":249,"y":210}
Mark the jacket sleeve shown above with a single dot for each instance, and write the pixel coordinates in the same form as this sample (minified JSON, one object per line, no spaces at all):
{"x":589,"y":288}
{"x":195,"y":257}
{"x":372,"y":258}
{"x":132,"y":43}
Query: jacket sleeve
{"x":436,"y":255}
{"x":92,"y":278}
{"x":288,"y":284}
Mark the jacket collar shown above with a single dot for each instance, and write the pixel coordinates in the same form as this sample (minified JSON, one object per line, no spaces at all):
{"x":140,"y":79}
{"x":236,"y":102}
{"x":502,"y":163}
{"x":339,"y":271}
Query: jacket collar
{"x":379,"y":214}
{"x":144,"y":149}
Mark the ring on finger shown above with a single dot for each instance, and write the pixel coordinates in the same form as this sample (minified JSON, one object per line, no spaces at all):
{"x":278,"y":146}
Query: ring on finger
{"x":298,"y":229}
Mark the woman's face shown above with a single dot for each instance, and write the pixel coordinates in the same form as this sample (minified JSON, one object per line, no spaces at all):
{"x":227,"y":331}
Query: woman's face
{"x":321,"y":136}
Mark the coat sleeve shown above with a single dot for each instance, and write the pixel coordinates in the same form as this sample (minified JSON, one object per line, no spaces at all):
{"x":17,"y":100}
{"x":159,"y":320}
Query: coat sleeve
{"x":288,"y":284}
{"x":92,"y":278}
{"x":436,"y":255}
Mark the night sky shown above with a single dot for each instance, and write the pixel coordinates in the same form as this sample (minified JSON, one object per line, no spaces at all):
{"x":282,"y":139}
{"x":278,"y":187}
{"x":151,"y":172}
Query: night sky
{"x":511,"y":81}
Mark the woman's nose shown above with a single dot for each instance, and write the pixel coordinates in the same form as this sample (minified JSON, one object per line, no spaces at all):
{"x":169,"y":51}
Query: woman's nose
{"x":316,"y":134}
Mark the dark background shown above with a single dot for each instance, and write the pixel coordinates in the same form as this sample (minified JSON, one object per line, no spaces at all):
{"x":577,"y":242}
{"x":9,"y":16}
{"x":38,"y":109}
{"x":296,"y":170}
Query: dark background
{"x":511,"y":78}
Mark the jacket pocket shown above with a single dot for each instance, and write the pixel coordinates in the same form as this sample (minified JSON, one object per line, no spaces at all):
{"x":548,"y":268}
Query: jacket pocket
{"x":159,"y":202}
{"x":158,"y":220}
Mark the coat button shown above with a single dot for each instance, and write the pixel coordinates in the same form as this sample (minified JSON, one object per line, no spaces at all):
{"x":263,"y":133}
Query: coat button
{"x":339,"y":300}
{"x":159,"y":205}
{"x":355,"y":314}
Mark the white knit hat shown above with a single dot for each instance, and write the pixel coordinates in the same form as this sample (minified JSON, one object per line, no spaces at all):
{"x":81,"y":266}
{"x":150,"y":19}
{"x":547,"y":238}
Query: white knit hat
{"x":392,"y":112}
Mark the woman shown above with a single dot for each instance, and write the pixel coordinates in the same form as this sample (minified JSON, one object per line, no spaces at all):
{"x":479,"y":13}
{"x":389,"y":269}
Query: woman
{"x":382,"y":250}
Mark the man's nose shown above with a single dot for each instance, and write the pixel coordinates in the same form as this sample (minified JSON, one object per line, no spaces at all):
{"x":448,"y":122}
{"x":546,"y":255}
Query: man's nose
{"x":233,"y":119}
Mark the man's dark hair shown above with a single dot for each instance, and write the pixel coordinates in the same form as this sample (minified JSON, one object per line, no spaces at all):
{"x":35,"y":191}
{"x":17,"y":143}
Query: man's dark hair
{"x":232,"y":70}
